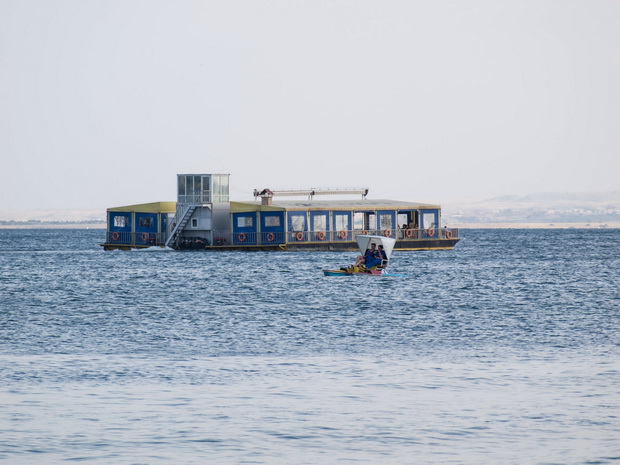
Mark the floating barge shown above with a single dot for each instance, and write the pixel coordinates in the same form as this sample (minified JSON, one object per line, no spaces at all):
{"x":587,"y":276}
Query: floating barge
{"x":204,"y":218}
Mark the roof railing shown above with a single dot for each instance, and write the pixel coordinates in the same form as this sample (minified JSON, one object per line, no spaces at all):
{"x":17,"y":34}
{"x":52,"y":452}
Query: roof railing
{"x":266,"y":193}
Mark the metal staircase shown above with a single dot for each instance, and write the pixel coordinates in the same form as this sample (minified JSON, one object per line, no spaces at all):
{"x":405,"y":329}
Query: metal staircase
{"x":180,"y":220}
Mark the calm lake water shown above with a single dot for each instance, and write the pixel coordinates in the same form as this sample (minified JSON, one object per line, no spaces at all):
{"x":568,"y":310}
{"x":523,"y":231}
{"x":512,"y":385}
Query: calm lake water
{"x":505,"y":350}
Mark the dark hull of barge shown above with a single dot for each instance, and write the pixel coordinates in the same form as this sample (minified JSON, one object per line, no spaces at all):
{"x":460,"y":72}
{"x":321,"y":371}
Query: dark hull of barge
{"x":348,"y":246}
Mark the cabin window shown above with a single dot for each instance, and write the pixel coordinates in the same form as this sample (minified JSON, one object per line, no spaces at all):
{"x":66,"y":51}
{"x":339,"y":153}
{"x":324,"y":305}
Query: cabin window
{"x":245,"y":222}
{"x":191,"y":187}
{"x":386,"y":222}
{"x":194,"y":222}
{"x":341,"y":222}
{"x":146,"y":222}
{"x":403,"y":221}
{"x":206,"y":189}
{"x":372,"y":221}
{"x":220,"y":188}
{"x":120,"y":221}
{"x":197,"y":187}
{"x":272,"y":221}
{"x":429,"y":220}
{"x":319,"y":223}
{"x":358,"y":220}
{"x":298,"y":223}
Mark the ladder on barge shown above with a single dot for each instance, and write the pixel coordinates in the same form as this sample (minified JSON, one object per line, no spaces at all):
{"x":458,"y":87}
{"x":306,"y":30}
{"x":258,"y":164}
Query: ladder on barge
{"x":180,"y":220}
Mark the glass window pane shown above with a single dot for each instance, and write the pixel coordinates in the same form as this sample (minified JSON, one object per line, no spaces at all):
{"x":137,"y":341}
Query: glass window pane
{"x":358,"y":220}
{"x":428,"y":220}
{"x":245,"y":222}
{"x":298,"y":223}
{"x":342,"y":222}
{"x":372,"y":221}
{"x":319,"y":223}
{"x":272,"y":221}
{"x":224,"y":184}
{"x":206,"y":194}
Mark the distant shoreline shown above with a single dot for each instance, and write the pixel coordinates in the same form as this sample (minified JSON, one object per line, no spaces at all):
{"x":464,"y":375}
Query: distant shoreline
{"x":54,"y":226}
{"x":582,"y":225}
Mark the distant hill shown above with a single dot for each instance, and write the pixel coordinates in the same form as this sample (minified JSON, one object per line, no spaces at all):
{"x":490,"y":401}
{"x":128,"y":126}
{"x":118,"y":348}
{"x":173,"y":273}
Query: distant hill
{"x":544,"y":208}
{"x":50,"y":223}
{"x":52,"y":219}
{"x":39,"y":217}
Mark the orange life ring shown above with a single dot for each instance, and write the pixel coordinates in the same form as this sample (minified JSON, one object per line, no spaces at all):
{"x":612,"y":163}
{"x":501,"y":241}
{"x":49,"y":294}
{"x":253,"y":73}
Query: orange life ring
{"x":115,"y":236}
{"x":387,"y":233}
{"x":320,"y":235}
{"x":409,"y":233}
{"x":299,"y":236}
{"x":430,"y":232}
{"x":448,"y":234}
{"x":364,"y":233}
{"x":145,"y":237}
{"x":241,"y":237}
{"x":342,"y":234}
{"x":271,"y":237}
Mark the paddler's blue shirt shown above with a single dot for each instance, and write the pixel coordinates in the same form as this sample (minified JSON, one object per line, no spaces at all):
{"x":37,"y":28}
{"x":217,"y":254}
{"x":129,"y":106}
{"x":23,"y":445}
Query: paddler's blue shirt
{"x":372,"y":258}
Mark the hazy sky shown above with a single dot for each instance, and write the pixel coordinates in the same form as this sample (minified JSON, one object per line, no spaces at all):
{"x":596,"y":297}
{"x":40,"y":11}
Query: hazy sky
{"x":103,"y":102}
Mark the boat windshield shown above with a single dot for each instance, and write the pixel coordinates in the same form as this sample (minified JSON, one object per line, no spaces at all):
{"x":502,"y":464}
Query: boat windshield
{"x":364,"y":242}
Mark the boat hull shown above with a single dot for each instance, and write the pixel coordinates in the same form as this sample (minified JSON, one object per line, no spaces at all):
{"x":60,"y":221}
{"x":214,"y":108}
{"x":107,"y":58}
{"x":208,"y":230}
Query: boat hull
{"x":340,"y":246}
{"x":403,"y":244}
{"x":365,"y":273}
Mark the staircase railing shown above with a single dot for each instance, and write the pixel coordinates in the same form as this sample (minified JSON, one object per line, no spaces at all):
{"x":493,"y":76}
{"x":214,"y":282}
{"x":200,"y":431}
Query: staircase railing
{"x":180,"y":220}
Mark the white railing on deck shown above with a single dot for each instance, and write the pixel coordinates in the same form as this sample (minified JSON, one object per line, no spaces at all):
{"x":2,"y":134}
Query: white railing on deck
{"x":226,"y":238}
{"x":135,"y":239}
